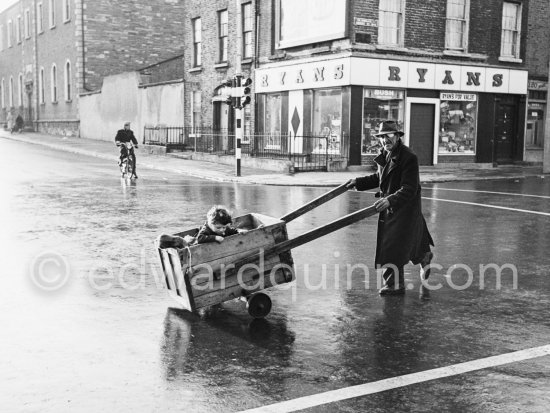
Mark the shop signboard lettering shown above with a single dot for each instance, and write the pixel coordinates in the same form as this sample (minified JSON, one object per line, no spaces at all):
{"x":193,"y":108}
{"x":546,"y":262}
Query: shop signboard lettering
{"x":463,"y":97}
{"x":386,"y":74}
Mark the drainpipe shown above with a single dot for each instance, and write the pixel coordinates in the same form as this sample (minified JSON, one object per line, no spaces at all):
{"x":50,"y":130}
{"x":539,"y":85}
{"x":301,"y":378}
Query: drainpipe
{"x":257,"y":34}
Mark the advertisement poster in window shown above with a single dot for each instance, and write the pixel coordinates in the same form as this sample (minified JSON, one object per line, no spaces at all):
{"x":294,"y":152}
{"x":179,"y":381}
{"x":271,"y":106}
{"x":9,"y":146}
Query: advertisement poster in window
{"x":458,"y":124}
{"x":380,"y":105}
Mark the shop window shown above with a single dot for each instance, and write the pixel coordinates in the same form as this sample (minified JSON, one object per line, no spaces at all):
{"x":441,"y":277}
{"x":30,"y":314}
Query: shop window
{"x":272,"y":120}
{"x":327,"y":117}
{"x":458,"y":124}
{"x":380,"y":105}
{"x":196,"y":105}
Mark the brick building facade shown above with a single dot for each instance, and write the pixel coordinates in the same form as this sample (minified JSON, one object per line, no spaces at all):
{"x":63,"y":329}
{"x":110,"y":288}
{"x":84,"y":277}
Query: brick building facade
{"x":538,"y":65}
{"x":206,"y":70}
{"x":339,"y":67}
{"x":69,"y":46}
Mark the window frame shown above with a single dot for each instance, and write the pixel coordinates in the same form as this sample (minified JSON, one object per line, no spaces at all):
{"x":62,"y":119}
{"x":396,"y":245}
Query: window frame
{"x":39,"y":17}
{"x":66,"y":11}
{"x":21,"y":87}
{"x":27,"y":23}
{"x":18,"y":37}
{"x":1,"y":37}
{"x":53,"y":83}
{"x":10,"y":92}
{"x":465,"y":26}
{"x":10,"y":33}
{"x":517,"y":43}
{"x":247,"y":31}
{"x":51,"y":13}
{"x":197,"y":41}
{"x":67,"y":81}
{"x":2,"y":93}
{"x":41,"y":87}
{"x":399,"y":28}
{"x":223,"y":35}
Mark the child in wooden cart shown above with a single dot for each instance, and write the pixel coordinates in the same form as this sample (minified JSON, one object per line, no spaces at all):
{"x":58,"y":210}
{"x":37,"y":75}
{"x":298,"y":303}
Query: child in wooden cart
{"x":218,"y":225}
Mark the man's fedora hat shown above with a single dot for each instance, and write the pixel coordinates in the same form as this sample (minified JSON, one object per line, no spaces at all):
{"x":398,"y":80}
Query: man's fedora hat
{"x":388,"y":126}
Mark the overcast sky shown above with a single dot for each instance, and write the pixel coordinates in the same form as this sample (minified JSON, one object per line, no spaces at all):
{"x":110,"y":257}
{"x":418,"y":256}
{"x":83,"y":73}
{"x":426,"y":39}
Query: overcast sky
{"x":4,"y":4}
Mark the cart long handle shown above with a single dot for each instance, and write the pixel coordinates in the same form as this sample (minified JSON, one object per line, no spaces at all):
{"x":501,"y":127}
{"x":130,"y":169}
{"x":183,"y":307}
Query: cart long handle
{"x":306,"y":237}
{"x":314,"y":203}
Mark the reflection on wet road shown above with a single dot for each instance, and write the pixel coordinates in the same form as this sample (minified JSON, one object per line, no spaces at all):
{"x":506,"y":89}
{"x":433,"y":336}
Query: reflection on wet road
{"x":87,"y":325}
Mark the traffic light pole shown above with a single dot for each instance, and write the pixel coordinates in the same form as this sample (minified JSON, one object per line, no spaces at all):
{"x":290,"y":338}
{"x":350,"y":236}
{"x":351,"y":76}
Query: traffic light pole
{"x":239,"y":126}
{"x":238,"y":76}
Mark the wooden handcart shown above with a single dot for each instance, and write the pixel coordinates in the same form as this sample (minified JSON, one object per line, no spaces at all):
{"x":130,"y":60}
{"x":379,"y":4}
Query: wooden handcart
{"x":243,"y":265}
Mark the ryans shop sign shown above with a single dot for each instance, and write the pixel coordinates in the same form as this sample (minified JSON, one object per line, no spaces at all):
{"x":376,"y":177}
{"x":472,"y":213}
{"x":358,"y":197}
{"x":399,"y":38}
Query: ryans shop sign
{"x":391,"y":74}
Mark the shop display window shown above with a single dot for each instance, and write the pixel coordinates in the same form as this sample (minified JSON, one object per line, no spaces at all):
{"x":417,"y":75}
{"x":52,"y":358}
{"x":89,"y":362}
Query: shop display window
{"x":380,"y":105}
{"x":458,"y":124}
{"x":327,"y":118}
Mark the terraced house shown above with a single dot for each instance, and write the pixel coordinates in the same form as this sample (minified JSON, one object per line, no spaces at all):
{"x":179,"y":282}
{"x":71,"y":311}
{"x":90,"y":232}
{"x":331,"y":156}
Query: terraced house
{"x":51,"y":51}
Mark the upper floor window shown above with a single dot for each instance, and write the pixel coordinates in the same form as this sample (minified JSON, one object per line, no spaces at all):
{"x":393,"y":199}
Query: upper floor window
{"x":39,"y":18}
{"x":66,"y":10}
{"x":51,"y":12}
{"x":390,"y":22}
{"x":222,"y":36}
{"x":9,"y":34}
{"x":18,"y":29}
{"x":511,"y":26}
{"x":247,"y":30}
{"x":1,"y":37}
{"x":68,"y":89}
{"x":27,"y":24}
{"x":197,"y":42}
{"x":456,"y":31}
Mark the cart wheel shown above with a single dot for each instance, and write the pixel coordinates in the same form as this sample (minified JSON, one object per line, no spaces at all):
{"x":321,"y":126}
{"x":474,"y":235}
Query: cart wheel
{"x":258,"y":305}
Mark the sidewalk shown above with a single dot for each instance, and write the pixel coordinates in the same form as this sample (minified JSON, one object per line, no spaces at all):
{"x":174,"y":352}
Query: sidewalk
{"x":226,"y":173}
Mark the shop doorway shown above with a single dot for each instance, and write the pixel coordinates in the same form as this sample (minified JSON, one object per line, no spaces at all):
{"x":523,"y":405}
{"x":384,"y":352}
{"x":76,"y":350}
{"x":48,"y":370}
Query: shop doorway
{"x":505,"y":132}
{"x":422,"y":127}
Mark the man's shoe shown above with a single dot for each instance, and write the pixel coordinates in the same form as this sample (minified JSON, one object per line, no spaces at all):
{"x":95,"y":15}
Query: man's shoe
{"x":390,"y":290}
{"x":425,"y":272}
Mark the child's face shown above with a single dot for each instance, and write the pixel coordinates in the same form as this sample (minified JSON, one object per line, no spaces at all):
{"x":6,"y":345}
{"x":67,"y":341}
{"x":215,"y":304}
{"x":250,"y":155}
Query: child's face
{"x":217,"y":227}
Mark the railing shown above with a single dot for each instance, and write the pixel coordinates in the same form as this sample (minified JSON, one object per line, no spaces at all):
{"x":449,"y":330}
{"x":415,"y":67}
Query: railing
{"x":307,"y":153}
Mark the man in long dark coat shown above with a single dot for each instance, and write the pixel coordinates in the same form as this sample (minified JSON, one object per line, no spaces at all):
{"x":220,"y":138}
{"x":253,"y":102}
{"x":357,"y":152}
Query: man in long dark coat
{"x":403,"y":235}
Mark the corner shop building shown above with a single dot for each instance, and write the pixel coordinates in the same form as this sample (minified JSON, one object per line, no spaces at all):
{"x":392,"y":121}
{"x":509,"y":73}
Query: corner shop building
{"x":450,"y":113}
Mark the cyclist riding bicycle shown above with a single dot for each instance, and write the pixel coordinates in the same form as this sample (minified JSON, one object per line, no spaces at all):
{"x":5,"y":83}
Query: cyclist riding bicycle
{"x":123,"y":136}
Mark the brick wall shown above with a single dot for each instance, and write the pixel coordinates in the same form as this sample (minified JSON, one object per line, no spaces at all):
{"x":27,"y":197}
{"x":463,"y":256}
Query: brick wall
{"x":538,"y":38}
{"x":212,"y":72}
{"x":124,"y":36}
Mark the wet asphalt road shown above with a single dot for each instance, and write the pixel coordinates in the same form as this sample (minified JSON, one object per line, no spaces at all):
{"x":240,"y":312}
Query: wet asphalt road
{"x":86,"y":324}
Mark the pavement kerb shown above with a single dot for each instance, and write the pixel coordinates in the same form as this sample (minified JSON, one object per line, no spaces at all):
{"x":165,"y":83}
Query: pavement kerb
{"x":276,"y":179}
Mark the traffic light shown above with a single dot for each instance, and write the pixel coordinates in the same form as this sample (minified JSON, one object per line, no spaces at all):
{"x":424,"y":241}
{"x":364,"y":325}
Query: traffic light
{"x":245,"y":98}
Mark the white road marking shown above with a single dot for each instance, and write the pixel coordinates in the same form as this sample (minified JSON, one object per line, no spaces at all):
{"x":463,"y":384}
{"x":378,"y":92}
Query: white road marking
{"x":547,"y":214}
{"x":485,"y":192}
{"x":332,"y":396}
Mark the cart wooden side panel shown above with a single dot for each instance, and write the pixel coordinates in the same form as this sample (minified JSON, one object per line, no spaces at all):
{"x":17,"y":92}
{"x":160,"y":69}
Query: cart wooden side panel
{"x":196,"y":275}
